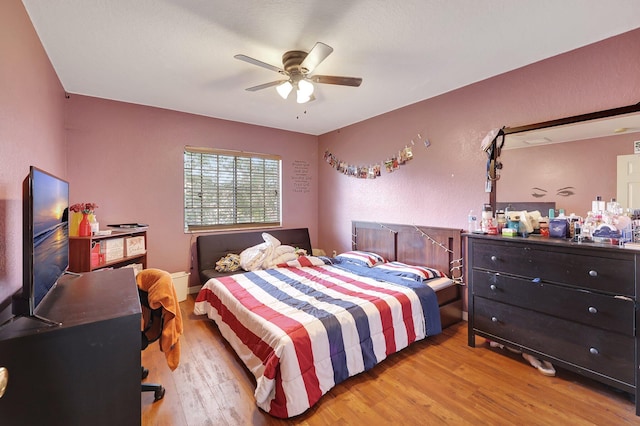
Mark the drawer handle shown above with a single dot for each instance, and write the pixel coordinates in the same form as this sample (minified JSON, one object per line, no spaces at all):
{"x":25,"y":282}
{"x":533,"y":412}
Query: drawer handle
{"x":592,"y":310}
{"x":493,"y":287}
{"x":494,"y":258}
{"x":593,"y":273}
{"x":536,"y":280}
{"x":494,"y":319}
{"x":593,"y":351}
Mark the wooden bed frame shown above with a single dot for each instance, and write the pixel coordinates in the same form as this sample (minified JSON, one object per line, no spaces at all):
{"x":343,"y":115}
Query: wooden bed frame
{"x":439,"y":248}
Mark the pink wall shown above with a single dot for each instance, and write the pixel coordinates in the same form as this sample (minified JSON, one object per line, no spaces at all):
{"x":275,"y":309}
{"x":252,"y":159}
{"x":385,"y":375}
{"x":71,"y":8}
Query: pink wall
{"x":446,"y":180}
{"x":128,"y":159}
{"x":31,"y":130}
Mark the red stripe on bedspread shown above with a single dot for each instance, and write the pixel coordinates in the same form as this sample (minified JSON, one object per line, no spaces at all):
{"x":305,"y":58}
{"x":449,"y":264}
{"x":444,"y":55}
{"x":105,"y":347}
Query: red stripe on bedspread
{"x":304,"y":261}
{"x":298,"y":333}
{"x":262,"y":350}
{"x":382,"y":306}
{"x":405,"y":304}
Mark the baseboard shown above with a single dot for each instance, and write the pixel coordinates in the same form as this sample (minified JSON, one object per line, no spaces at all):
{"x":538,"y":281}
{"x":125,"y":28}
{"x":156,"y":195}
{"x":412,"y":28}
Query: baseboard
{"x":465,"y":316}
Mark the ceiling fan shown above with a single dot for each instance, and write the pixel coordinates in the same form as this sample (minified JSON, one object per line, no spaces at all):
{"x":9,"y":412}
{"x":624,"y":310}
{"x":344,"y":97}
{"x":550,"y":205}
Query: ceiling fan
{"x":297,"y":67}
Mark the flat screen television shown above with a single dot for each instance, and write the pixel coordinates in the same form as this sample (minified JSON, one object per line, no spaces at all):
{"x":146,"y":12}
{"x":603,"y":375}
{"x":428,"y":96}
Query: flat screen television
{"x":45,"y":239}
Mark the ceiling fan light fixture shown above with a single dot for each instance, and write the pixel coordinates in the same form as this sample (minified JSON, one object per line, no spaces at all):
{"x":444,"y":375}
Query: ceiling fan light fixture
{"x":297,"y":67}
{"x":305,"y":88}
{"x":304,"y":91}
{"x":284,"y":89}
{"x":302,"y":98}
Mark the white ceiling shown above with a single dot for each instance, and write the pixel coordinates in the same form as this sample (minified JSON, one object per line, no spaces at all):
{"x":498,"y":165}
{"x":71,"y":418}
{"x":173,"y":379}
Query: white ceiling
{"x":178,"y":54}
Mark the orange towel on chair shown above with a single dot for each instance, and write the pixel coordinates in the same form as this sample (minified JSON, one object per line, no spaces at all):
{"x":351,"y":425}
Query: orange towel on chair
{"x":161,"y":293}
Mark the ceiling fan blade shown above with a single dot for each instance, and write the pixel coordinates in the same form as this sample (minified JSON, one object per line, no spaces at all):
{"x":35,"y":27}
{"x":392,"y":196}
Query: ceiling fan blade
{"x":334,"y":79}
{"x":265,"y":85}
{"x":317,"y":54}
{"x":253,"y":61}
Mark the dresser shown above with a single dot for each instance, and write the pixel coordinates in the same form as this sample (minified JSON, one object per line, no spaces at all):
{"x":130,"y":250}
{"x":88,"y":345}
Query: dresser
{"x":573,"y":304}
{"x":85,"y":371}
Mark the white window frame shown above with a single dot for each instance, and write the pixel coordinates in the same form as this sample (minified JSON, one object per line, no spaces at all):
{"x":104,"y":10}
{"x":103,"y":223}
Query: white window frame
{"x":226,"y":190}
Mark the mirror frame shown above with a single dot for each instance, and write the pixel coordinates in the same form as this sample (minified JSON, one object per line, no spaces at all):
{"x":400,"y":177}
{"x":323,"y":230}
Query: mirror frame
{"x":553,"y":123}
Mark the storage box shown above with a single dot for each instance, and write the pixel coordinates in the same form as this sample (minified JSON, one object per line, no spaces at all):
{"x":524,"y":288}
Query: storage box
{"x":113,"y":249}
{"x":97,"y":258}
{"x":134,"y":246}
{"x":181,"y":284}
{"x":509,"y":232}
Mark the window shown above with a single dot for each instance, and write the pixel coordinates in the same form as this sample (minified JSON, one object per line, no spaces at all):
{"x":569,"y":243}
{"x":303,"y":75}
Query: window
{"x":230,"y":189}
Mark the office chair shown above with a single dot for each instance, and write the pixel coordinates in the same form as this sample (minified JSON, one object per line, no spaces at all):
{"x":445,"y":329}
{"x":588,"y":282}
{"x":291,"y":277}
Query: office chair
{"x":150,"y":334}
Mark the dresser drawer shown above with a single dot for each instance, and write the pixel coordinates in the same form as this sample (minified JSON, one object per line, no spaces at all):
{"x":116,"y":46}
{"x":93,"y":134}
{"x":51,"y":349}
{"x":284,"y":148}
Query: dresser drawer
{"x":612,"y":273}
{"x":606,"y":353}
{"x":593,"y":309}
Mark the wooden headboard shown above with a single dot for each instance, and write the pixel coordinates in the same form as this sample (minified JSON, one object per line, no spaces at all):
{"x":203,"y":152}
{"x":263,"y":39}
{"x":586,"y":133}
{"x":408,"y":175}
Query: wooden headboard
{"x":439,"y":248}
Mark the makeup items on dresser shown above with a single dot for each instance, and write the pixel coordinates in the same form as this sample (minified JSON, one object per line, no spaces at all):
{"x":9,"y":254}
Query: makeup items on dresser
{"x":605,"y":224}
{"x":488,"y":224}
{"x":598,"y":205}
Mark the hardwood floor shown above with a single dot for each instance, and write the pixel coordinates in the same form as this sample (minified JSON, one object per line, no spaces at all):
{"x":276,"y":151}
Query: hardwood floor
{"x":440,"y":380}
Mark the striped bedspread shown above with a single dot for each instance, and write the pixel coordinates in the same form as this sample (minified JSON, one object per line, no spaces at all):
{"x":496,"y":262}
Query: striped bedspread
{"x":302,"y":330}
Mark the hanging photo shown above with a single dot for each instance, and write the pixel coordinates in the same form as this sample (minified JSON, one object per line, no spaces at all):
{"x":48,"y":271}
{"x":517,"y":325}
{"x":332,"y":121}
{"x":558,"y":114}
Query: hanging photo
{"x":371,"y":171}
{"x":407,"y":153}
{"x":388,"y":164}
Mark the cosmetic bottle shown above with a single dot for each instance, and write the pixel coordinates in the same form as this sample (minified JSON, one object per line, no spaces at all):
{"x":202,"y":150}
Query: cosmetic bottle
{"x":598,"y":205}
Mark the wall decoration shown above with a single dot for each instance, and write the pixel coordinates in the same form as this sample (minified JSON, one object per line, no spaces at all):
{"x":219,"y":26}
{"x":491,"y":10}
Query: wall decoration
{"x":566,"y":191}
{"x":372,"y":171}
{"x":301,"y":178}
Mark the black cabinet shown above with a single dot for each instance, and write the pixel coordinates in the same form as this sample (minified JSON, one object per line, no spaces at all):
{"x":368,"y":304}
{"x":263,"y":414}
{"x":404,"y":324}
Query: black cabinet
{"x":573,"y":304}
{"x":84,"y":372}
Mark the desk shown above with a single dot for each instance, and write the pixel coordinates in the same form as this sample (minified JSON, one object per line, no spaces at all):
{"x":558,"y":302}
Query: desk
{"x":86,"y":371}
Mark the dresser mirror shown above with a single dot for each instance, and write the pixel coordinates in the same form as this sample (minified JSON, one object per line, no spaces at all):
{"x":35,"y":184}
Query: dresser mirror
{"x":567,"y":162}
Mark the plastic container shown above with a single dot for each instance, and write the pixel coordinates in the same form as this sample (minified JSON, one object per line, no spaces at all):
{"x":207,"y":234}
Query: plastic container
{"x":95,"y":226}
{"x":181,"y":284}
{"x":544,"y":228}
{"x":472,"y":222}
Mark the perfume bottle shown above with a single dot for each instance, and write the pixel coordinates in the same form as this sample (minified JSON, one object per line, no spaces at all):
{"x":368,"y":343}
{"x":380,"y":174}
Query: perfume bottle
{"x":598,"y":205}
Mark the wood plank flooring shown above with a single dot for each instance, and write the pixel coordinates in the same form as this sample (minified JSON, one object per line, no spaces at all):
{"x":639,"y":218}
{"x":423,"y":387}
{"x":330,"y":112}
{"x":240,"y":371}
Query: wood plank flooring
{"x":437,"y":381}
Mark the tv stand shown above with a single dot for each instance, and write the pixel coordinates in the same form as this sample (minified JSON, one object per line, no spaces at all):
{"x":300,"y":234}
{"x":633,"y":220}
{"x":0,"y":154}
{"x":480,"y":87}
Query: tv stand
{"x":85,"y":371}
{"x":20,"y":308}
{"x":47,"y":321}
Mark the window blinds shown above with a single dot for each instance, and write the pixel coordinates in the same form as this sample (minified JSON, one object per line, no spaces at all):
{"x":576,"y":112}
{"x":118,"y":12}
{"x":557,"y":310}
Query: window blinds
{"x":230,"y":189}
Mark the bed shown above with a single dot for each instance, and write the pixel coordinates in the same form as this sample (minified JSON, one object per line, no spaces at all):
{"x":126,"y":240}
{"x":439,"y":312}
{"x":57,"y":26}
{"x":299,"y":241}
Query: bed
{"x":302,"y":329}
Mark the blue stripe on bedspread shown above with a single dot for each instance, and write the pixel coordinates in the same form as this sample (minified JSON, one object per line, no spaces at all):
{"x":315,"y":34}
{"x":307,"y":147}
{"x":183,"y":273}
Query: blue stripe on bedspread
{"x":328,"y":320}
{"x":427,"y":296}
